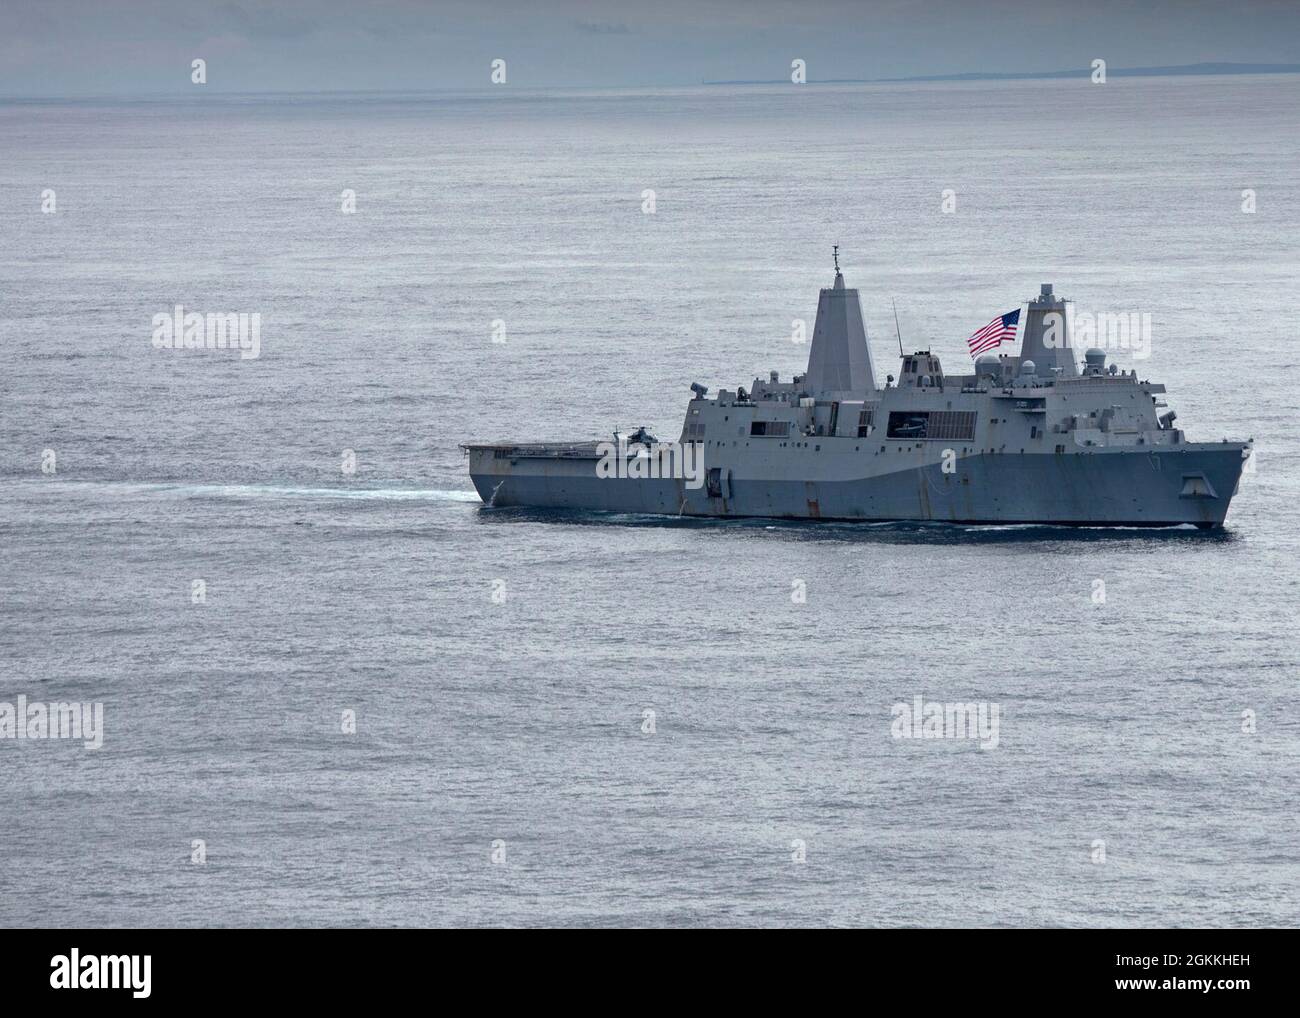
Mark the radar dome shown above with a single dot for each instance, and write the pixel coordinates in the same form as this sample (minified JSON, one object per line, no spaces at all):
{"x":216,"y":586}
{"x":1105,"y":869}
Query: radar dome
{"x":1028,"y":367}
{"x":988,"y":364}
{"x":1095,"y":357}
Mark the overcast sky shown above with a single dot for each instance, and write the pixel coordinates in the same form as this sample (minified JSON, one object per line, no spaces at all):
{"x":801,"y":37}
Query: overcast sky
{"x":70,"y":47}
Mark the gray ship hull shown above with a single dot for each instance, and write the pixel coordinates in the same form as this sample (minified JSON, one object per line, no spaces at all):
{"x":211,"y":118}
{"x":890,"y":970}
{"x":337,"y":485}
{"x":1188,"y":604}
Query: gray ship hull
{"x":1189,"y":484}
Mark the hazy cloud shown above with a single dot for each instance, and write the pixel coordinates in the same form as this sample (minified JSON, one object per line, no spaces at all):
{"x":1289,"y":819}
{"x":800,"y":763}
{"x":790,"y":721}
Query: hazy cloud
{"x":68,"y":47}
{"x":602,"y":28}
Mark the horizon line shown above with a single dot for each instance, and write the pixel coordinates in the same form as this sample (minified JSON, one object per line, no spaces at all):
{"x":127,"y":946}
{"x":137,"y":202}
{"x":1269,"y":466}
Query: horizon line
{"x":1203,"y":69}
{"x":1207,"y":68}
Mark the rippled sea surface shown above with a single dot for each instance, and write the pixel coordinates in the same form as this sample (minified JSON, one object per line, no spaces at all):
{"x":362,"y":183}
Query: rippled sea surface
{"x":520,"y":720}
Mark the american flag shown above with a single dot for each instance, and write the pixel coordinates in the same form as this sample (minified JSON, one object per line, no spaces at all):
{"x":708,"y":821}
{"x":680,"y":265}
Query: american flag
{"x":1001,"y":330}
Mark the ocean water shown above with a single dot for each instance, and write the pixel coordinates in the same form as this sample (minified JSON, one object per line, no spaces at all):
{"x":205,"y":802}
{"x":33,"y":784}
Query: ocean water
{"x":518,"y":720}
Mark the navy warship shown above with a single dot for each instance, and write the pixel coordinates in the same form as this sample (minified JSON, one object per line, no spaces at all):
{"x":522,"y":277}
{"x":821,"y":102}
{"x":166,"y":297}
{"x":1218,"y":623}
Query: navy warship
{"x":1028,"y":438}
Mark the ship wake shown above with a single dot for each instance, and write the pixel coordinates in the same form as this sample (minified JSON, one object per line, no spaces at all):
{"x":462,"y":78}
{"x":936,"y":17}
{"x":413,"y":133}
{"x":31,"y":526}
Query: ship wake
{"x":94,"y":489}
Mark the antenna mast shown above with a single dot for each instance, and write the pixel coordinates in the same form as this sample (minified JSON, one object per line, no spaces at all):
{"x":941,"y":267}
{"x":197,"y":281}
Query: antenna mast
{"x":897,"y":331}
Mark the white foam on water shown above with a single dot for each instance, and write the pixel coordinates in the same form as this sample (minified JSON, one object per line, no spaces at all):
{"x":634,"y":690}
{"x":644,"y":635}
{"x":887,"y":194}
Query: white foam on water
{"x":272,"y":491}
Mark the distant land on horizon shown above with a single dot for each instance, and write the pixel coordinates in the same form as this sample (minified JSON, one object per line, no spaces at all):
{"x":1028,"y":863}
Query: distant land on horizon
{"x":1207,"y":69}
{"x":1129,"y":72}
